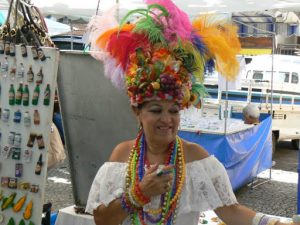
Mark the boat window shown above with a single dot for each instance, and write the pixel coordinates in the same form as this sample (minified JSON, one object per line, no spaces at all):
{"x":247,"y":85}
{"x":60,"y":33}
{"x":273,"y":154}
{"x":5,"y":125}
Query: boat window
{"x":285,"y":76}
{"x":258,"y":75}
{"x":295,"y":78}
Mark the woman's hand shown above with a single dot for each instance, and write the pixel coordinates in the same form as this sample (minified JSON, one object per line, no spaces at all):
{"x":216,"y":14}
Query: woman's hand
{"x":153,"y":185}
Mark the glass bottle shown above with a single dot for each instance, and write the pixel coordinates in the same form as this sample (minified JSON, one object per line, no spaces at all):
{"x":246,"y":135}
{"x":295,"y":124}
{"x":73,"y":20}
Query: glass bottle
{"x":20,"y":71}
{"x":27,"y":119}
{"x":36,"y":117}
{"x":4,"y":67}
{"x":12,"y":44}
{"x":7,"y":45}
{"x":23,"y":50}
{"x":30,"y":75}
{"x":47,"y":95}
{"x":34,"y":53}
{"x":40,"y":76}
{"x":25,"y":95}
{"x":13,"y":71}
{"x":39,"y":164}
{"x":11,"y":95}
{"x":36,"y":95}
{"x":1,"y":44}
{"x":41,"y":54}
{"x":19,"y":94}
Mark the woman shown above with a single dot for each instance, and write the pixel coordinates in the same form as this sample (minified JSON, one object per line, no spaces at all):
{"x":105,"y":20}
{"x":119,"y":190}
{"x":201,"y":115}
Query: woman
{"x":159,"y":178}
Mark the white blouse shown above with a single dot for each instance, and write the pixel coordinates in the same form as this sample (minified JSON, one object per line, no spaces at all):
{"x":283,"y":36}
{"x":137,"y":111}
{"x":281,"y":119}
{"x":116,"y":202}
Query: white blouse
{"x":207,"y":187}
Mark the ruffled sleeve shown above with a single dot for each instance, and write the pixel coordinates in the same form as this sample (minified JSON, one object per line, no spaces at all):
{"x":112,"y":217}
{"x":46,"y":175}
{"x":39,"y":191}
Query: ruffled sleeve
{"x":207,"y":186}
{"x":109,"y":184}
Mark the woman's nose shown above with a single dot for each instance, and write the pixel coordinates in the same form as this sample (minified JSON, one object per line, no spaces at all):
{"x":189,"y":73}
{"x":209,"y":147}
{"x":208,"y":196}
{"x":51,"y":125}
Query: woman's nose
{"x":166,"y":117}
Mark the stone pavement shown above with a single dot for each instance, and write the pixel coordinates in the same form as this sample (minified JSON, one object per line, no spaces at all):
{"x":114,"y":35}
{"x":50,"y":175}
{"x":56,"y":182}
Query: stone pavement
{"x":273,"y":197}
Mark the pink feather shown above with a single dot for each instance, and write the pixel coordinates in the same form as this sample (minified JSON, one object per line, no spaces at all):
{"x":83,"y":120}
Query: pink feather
{"x":178,"y":22}
{"x":114,"y":72}
{"x":97,"y":25}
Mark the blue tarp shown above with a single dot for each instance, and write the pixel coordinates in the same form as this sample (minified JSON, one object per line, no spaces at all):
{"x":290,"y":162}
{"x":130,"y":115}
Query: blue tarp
{"x":244,"y":154}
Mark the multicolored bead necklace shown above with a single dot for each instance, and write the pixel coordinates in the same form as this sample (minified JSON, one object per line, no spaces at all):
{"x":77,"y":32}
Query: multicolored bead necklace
{"x":166,"y":213}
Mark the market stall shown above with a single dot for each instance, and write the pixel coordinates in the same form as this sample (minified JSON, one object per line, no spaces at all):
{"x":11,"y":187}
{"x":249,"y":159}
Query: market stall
{"x":244,"y":150}
{"x":28,"y":79}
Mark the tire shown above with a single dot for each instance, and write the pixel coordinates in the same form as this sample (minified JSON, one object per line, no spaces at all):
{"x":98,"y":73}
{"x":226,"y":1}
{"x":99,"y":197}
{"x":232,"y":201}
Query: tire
{"x":295,"y":144}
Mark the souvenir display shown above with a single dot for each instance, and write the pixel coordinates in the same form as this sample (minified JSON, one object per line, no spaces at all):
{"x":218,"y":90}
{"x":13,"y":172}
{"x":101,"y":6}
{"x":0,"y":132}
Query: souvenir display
{"x":28,"y":70}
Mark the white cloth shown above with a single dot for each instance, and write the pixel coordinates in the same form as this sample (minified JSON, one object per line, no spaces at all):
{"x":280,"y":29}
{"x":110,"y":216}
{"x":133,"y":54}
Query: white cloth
{"x":207,"y":187}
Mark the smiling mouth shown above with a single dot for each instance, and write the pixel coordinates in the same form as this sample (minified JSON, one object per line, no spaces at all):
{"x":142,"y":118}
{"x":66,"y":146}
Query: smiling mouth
{"x":164,"y":128}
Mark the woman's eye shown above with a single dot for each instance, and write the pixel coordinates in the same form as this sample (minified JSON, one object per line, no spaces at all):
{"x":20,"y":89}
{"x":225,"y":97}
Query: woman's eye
{"x":156,"y":111}
{"x":174,"y":111}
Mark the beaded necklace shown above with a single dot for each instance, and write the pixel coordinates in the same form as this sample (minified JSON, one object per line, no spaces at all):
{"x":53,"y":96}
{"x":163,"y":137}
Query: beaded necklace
{"x":166,"y":213}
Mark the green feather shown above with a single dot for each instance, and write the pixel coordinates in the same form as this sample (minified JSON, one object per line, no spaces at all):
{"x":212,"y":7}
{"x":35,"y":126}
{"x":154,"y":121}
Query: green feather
{"x":199,"y":89}
{"x":149,"y":20}
{"x":152,"y":29}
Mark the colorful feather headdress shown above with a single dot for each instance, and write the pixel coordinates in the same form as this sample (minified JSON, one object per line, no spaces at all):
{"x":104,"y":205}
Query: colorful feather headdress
{"x":162,"y":55}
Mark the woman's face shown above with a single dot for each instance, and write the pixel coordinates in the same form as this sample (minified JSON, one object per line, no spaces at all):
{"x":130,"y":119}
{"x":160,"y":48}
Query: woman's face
{"x":160,"y":120}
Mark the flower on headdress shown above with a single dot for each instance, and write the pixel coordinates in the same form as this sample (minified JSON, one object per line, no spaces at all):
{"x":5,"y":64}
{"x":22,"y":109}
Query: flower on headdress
{"x":162,"y":55}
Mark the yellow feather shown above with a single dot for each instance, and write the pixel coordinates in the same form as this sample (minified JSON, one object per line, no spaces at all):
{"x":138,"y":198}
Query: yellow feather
{"x":221,"y":40}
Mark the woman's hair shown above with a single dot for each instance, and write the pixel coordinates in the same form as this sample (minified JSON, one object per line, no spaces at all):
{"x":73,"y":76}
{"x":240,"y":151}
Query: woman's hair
{"x":252,"y":111}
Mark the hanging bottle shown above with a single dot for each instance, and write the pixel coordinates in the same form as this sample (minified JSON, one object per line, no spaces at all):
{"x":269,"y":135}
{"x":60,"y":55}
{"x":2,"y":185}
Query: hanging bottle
{"x":12,"y":44}
{"x":27,"y":119}
{"x":36,"y":95}
{"x":1,"y":44}
{"x":36,"y":117}
{"x":39,"y":165}
{"x":4,"y":67}
{"x":34,"y":53}
{"x":19,"y":94}
{"x":20,"y":71}
{"x":47,"y":95}
{"x":7,"y":45}
{"x":40,"y":76}
{"x":25,"y":95}
{"x":13,"y":71}
{"x":41,"y":54}
{"x":23,"y":50}
{"x":11,"y":95}
{"x":30,"y":75}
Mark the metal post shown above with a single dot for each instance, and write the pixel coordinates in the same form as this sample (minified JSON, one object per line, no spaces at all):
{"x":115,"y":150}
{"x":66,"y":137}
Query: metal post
{"x":298,"y":192}
{"x":226,"y":109}
{"x":272,"y":73}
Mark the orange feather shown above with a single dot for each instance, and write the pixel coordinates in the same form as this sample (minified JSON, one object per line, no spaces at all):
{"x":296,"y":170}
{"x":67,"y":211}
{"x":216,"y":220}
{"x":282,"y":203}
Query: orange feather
{"x":103,"y":39}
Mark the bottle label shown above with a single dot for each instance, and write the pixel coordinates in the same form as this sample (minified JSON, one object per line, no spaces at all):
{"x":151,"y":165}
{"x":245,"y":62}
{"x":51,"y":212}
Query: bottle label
{"x":30,"y":77}
{"x":21,"y":73}
{"x":25,"y":96}
{"x":11,"y":96}
{"x":35,"y":95}
{"x":47,"y":95}
{"x":18,"y":95}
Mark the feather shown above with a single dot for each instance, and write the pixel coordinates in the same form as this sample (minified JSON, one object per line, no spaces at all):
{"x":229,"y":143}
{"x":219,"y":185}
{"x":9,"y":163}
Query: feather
{"x":222,"y":44}
{"x":177,"y":24}
{"x":193,"y":61}
{"x":198,"y":42}
{"x":121,"y":45}
{"x":198,"y":92}
{"x":114,"y":72}
{"x":103,"y":39}
{"x":152,"y":29}
{"x":96,"y":26}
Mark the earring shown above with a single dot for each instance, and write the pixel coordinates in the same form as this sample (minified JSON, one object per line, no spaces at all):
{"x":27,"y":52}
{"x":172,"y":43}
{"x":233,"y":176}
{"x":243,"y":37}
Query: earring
{"x":140,"y":126}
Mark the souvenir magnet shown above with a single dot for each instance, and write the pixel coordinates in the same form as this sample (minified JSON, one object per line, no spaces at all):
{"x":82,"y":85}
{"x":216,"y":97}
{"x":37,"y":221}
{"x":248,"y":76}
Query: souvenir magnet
{"x":16,"y":154}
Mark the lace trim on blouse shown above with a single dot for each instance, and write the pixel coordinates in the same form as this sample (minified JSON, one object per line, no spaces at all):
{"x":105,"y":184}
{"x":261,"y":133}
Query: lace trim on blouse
{"x":207,"y":186}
